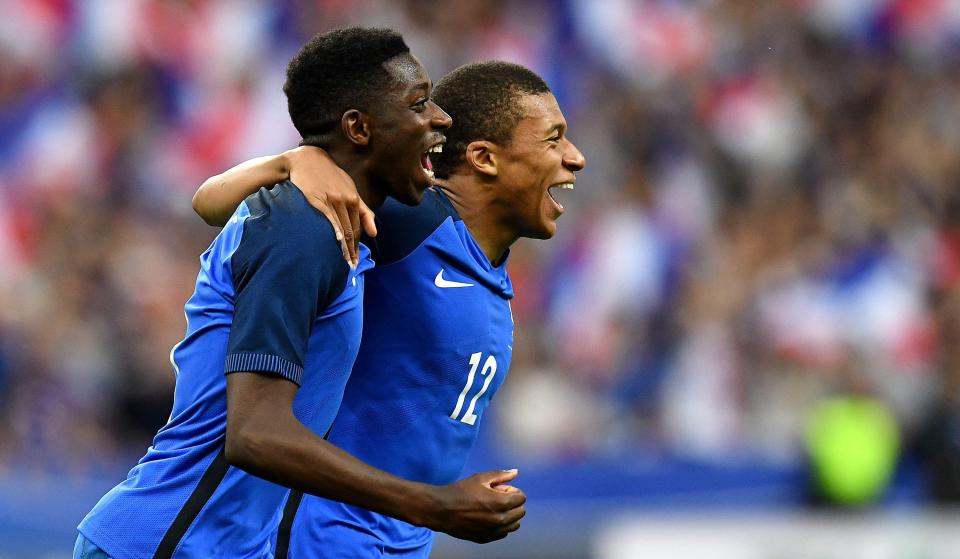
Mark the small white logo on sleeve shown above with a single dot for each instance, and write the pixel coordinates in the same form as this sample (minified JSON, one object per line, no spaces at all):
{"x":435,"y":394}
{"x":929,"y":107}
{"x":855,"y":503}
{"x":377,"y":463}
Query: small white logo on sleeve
{"x":440,"y":282}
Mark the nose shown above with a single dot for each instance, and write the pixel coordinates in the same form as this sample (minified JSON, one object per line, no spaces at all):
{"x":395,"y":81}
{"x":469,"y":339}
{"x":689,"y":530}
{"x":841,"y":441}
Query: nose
{"x":440,"y":119}
{"x":573,"y":159}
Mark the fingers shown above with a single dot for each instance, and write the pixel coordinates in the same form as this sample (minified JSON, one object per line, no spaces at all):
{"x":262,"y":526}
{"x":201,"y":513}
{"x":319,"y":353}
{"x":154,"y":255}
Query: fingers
{"x":367,"y":218}
{"x":485,"y":507}
{"x":497,"y":477}
{"x":332,"y":191}
{"x":510,"y":496}
{"x":514,"y":516}
{"x":509,"y":522}
{"x":337,"y":230}
{"x":349,"y":237}
{"x":513,"y":500}
{"x":353,"y":210}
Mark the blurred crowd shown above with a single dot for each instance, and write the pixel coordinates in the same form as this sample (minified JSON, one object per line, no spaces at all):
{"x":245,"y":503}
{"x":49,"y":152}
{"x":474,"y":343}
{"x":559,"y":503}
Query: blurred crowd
{"x":770,"y":215}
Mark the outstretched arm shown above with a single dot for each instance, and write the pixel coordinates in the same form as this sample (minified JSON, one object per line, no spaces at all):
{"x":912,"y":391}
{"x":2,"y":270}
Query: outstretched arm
{"x":266,"y":439}
{"x":325,"y":185}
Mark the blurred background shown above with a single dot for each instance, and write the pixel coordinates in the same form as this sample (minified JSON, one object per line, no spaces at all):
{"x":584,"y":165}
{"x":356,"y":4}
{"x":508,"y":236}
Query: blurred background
{"x":743,"y":342}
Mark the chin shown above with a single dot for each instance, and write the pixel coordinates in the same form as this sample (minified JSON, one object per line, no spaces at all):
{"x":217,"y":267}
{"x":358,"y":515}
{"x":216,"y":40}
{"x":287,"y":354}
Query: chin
{"x":544,"y":231}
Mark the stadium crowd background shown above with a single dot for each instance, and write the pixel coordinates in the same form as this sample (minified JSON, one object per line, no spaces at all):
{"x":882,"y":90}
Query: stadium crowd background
{"x":770,"y":216}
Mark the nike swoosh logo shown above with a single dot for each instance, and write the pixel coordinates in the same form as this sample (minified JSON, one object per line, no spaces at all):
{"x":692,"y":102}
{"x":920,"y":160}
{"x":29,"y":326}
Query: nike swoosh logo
{"x":440,"y":282}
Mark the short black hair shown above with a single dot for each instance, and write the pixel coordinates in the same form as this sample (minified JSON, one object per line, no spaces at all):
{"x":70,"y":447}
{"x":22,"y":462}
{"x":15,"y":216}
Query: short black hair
{"x":483,"y":99}
{"x":338,"y":71}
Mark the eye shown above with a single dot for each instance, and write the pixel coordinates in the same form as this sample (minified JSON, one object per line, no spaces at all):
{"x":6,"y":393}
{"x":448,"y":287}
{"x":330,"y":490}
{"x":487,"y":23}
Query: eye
{"x":420,"y":105}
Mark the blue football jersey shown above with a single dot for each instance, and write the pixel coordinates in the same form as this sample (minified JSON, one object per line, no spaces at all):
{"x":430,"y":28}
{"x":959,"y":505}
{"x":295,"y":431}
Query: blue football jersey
{"x":273,"y":296}
{"x":437,"y":343}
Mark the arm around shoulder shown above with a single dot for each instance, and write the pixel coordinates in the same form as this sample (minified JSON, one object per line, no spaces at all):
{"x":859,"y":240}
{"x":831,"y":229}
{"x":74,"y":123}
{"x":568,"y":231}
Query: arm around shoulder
{"x":218,"y":196}
{"x":327,"y":187}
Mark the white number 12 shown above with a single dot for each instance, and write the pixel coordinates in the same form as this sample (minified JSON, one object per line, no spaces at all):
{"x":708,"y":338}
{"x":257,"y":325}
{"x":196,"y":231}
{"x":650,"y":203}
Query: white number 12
{"x":489,"y":370}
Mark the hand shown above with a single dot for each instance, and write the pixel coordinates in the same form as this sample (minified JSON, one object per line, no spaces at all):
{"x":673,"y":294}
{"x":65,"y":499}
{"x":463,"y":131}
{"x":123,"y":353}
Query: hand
{"x":480,"y":508}
{"x":329,"y":189}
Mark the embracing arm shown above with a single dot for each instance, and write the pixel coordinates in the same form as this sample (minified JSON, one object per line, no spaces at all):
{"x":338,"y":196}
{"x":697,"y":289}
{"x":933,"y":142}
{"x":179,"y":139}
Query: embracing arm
{"x":266,"y":439}
{"x":267,"y":349}
{"x":219,"y":195}
{"x":327,"y":187}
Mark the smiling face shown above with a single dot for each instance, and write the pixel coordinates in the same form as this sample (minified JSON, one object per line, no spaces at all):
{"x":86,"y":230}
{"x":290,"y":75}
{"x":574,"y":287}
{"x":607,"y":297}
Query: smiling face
{"x":539,"y":158}
{"x":406,"y":126}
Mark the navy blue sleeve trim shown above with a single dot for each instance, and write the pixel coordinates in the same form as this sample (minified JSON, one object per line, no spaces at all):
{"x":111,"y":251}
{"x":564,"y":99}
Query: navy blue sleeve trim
{"x":264,"y":363}
{"x":401,"y":229}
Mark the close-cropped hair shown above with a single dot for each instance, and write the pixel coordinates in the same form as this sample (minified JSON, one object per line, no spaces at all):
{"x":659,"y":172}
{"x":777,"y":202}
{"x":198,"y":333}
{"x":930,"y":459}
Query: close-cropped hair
{"x":483,"y":99}
{"x":338,"y":71}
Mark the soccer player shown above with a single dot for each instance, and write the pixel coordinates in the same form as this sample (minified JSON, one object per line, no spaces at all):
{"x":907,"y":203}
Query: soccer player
{"x":438,"y":331}
{"x":278,"y":310}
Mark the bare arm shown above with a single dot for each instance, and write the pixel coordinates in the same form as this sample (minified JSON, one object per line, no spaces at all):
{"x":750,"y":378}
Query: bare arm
{"x":218,"y":196}
{"x":265,"y":439}
{"x":325,"y":185}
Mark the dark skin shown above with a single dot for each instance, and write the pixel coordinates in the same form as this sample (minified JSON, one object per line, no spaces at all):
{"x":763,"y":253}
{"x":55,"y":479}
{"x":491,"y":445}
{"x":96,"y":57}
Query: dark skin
{"x":340,"y":201}
{"x":397,"y":150}
{"x":381,"y":149}
{"x":503,"y":193}
{"x":265,"y":439}
{"x":381,"y":152}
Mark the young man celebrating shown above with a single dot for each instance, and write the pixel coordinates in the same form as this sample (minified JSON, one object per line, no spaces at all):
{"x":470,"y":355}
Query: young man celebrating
{"x":438,"y":330}
{"x":278,"y":310}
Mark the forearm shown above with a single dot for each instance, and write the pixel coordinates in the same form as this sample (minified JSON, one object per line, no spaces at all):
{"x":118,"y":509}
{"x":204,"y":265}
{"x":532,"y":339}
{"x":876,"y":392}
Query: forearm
{"x":218,"y":196}
{"x":266,"y":439}
{"x":286,"y":452}
{"x":301,"y":460}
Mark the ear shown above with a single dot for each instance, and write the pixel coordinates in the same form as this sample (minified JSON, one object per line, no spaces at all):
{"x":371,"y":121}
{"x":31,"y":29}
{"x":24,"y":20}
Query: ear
{"x":356,"y":127}
{"x":481,"y":157}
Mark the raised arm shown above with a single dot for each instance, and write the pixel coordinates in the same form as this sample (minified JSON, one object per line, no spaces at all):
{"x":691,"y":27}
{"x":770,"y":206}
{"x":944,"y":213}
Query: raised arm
{"x":325,"y":185}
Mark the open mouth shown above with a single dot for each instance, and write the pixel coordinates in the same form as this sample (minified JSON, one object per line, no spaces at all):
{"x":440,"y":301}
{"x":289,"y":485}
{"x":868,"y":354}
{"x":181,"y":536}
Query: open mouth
{"x":425,"y":164}
{"x":561,"y":186}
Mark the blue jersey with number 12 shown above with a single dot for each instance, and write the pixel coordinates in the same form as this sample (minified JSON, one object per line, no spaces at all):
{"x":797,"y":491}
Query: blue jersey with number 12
{"x":436,"y":346}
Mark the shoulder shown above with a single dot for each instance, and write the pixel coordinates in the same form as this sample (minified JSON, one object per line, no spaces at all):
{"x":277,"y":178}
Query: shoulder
{"x":283,"y":229}
{"x":401,"y":229}
{"x":283,"y":206}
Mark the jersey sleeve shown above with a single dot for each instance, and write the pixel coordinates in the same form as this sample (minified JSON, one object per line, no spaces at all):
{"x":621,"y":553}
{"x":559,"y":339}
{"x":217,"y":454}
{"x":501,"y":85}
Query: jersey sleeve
{"x":286,"y":269}
{"x":401,"y":229}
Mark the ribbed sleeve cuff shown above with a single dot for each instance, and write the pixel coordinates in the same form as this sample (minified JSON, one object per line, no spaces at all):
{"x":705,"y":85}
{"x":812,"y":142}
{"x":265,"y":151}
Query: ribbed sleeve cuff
{"x":264,"y":363}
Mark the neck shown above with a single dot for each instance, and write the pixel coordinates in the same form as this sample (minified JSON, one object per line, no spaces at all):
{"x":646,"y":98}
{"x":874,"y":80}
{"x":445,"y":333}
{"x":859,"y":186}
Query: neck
{"x":359,"y":170}
{"x":475,"y":201}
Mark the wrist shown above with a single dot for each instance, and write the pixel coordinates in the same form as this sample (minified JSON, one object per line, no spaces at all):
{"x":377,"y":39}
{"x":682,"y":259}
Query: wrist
{"x":420,"y":505}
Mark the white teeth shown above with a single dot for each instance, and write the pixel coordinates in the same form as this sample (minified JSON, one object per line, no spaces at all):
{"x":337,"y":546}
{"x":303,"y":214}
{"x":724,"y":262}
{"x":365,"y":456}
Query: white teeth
{"x":428,"y":172}
{"x":436,"y":149}
{"x":564,"y":186}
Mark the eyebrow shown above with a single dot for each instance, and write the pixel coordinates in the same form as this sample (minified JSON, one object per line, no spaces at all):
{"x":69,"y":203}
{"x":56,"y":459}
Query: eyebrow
{"x":424,"y":86}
